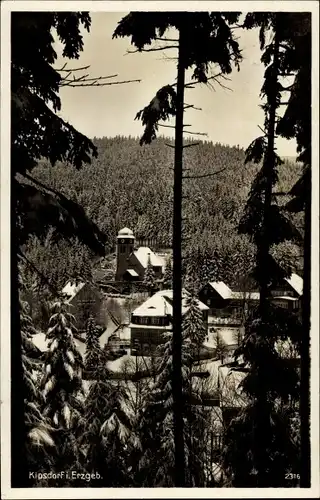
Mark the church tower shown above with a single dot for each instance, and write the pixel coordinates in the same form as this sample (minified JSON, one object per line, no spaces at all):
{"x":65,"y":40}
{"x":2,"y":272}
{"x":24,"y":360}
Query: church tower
{"x":125,"y":245}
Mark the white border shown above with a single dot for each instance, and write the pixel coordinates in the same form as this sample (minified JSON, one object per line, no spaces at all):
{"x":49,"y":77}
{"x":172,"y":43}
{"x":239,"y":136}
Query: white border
{"x":124,"y":6}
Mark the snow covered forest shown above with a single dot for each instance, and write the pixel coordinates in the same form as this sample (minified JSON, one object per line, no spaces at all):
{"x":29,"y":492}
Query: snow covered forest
{"x":224,"y":213}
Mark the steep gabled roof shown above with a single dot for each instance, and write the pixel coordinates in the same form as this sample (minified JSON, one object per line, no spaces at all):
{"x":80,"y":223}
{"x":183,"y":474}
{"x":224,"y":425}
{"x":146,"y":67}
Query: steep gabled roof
{"x":160,"y":304}
{"x":296,"y":282}
{"x":222,"y":289}
{"x":71,"y":289}
{"x":142,"y":255}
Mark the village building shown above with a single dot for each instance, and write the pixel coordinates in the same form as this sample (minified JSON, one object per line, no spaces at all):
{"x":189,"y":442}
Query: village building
{"x":85,"y":300}
{"x":228,"y":306}
{"x":153,"y":318}
{"x":120,"y":340}
{"x":132,"y":262}
{"x":228,"y":310}
{"x":288,"y":293}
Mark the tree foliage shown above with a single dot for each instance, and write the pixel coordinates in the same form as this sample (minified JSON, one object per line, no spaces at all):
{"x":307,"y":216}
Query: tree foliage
{"x":149,"y":276}
{"x":108,"y":437}
{"x":40,"y":440}
{"x":37,"y":130}
{"x":156,"y":426}
{"x":92,"y":353}
{"x":263,"y":426}
{"x":167,"y":276}
{"x":212,"y":208}
{"x":62,"y":388}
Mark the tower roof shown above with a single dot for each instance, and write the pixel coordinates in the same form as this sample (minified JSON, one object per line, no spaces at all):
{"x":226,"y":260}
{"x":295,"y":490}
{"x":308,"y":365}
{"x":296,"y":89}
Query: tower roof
{"x":125,"y":232}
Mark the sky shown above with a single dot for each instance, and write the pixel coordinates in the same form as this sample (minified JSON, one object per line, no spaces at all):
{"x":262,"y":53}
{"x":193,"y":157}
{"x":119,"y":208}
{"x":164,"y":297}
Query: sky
{"x":227,"y":116}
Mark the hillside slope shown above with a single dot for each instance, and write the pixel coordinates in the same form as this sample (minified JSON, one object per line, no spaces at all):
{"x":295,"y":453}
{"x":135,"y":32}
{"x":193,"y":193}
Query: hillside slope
{"x":130,"y":185}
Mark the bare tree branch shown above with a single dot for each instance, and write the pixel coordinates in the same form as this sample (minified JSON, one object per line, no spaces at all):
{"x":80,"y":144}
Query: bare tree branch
{"x":70,"y":80}
{"x":80,"y":78}
{"x":190,"y":145}
{"x":195,"y":133}
{"x":223,"y":86}
{"x":204,"y":175}
{"x":166,"y":126}
{"x":213,"y":77}
{"x":73,"y":69}
{"x":191,"y":106}
{"x":262,"y":130}
{"x":164,"y":39}
{"x":97,"y":84}
{"x":154,"y":49}
{"x":170,"y":126}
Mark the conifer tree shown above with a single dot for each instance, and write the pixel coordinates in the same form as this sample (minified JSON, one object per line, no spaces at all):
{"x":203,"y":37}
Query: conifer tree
{"x":167,"y":276}
{"x":38,"y":132}
{"x":63,"y":388}
{"x":107,"y":439}
{"x":92,"y":353}
{"x":157,"y":428}
{"x":220,"y":346}
{"x":193,"y":326}
{"x":296,"y":123}
{"x":149,"y":276}
{"x":263,"y":429}
{"x":39,"y":432}
{"x":204,"y":39}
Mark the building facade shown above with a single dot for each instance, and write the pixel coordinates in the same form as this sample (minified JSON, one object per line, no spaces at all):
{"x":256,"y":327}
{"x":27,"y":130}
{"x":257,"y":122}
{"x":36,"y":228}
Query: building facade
{"x":85,"y":300}
{"x":230,"y":307}
{"x":152,"y":319}
{"x":132,"y":262}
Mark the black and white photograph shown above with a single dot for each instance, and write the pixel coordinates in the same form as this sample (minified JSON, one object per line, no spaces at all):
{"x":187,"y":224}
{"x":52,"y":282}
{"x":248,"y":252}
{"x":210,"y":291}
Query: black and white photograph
{"x":159,"y":249}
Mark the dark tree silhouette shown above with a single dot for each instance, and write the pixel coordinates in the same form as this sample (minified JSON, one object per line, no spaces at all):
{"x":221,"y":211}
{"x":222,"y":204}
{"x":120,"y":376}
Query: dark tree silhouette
{"x":204,"y":39}
{"x":263,"y":428}
{"x":149,"y":276}
{"x":296,"y":123}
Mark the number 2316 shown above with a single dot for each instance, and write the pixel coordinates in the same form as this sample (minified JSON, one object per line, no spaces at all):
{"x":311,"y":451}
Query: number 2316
{"x":289,"y":475}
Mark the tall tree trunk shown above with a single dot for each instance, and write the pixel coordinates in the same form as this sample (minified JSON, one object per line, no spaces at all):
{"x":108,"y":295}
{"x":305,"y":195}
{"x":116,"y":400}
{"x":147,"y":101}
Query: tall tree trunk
{"x":268,"y":166}
{"x":305,"y":466}
{"x":19,"y":472}
{"x":263,"y":250}
{"x":177,"y":279}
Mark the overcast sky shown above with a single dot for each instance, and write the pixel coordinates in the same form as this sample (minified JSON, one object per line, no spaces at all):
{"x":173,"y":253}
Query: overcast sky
{"x":229,"y":117}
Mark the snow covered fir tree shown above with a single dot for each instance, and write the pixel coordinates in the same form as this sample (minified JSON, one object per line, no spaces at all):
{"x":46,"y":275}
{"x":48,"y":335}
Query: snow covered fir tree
{"x":161,"y":284}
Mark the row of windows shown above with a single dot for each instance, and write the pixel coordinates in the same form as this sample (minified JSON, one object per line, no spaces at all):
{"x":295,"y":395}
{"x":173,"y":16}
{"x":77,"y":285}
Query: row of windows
{"x":150,"y":320}
{"x":228,"y":312}
{"x":276,"y":292}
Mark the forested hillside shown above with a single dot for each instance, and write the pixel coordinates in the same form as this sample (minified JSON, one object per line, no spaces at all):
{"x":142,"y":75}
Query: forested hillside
{"x":130,"y":185}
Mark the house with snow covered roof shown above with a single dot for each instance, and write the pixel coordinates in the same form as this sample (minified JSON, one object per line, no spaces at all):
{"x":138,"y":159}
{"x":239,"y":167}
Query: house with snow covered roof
{"x":131,"y":262}
{"x":153,"y":318}
{"x":85,"y":300}
{"x":228,"y":306}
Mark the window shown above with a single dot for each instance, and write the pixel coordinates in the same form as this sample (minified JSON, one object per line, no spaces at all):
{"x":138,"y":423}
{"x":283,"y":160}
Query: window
{"x":146,"y":348}
{"x":157,"y":320}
